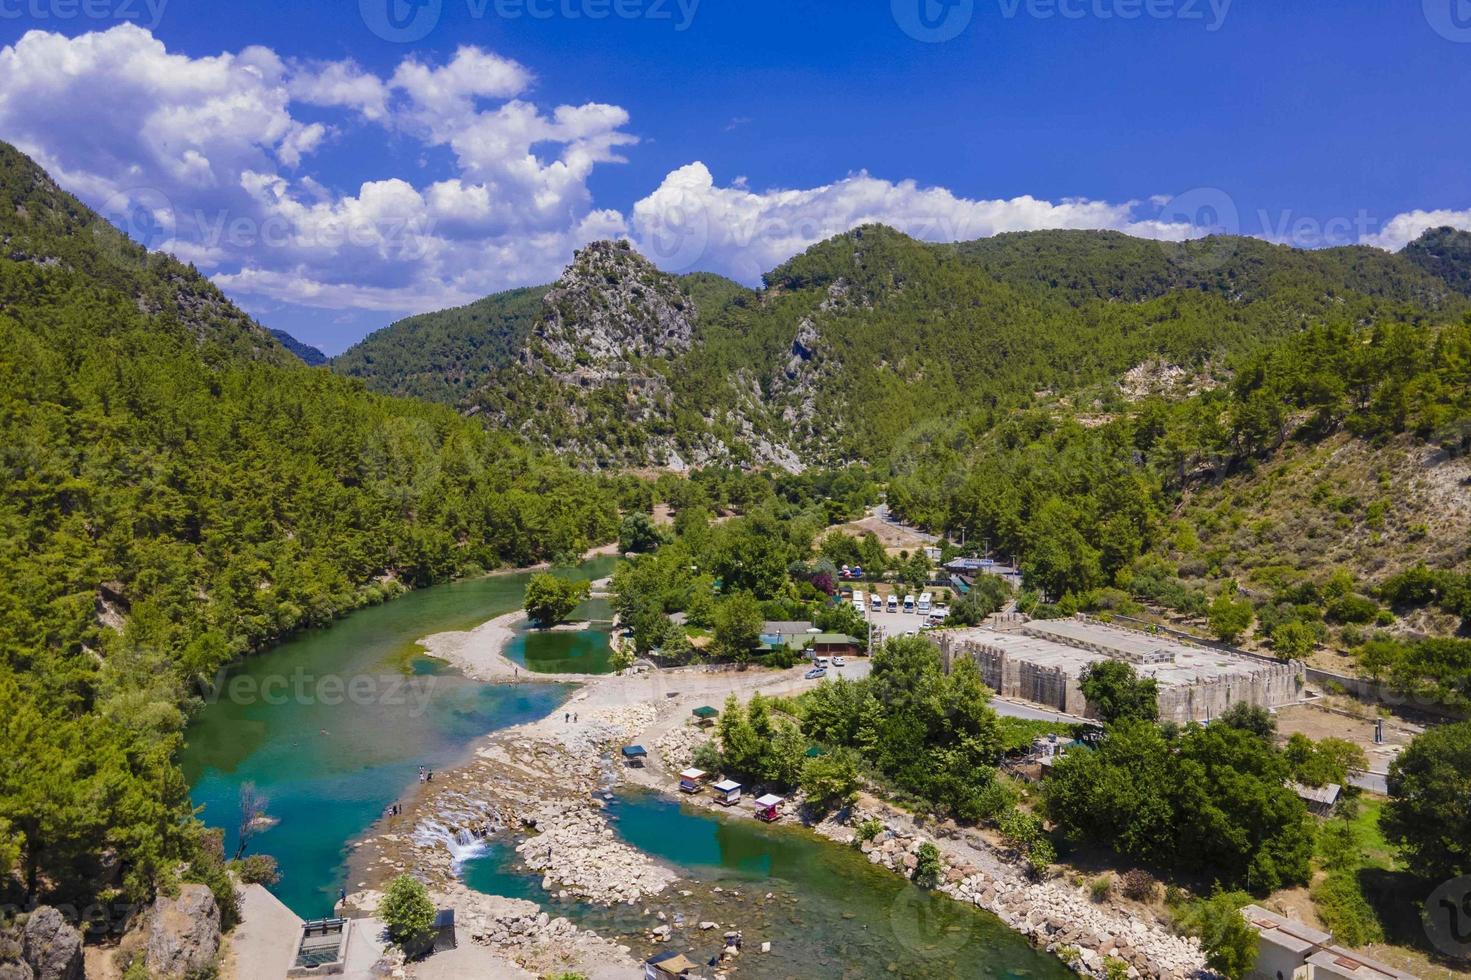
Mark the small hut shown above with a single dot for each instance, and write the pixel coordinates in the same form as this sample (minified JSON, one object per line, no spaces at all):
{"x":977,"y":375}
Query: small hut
{"x":727,"y":792}
{"x":692,"y":780}
{"x":635,"y":755}
{"x":768,"y":808}
{"x":705,"y":716}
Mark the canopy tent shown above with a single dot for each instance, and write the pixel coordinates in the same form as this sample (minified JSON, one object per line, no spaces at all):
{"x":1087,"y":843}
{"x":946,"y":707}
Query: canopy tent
{"x":692,"y":780}
{"x":767,"y":808}
{"x":727,"y":791}
{"x":634,"y":752}
{"x":668,"y":964}
{"x":705,"y":711}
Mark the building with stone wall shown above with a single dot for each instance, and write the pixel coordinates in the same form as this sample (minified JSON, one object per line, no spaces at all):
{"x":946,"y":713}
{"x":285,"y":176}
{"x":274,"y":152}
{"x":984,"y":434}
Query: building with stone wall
{"x":1043,"y":662}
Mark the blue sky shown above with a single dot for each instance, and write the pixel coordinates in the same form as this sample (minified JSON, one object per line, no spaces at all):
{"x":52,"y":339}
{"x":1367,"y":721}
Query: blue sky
{"x":722,"y":135}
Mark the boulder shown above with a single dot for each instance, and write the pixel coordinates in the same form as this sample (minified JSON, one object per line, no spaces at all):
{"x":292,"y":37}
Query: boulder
{"x":52,"y":948}
{"x":184,"y":933}
{"x":12,"y":964}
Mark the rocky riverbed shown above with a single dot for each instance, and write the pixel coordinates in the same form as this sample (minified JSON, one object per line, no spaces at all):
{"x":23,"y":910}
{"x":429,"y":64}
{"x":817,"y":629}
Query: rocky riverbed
{"x":1055,"y":915}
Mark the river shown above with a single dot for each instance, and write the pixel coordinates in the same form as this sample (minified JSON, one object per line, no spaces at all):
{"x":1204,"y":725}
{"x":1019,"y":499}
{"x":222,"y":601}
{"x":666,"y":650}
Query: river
{"x":332,"y":725}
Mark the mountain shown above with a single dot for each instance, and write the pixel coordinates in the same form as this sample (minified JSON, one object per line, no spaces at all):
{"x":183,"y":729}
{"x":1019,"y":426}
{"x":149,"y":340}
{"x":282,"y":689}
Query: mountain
{"x":43,"y":226}
{"x":869,"y":342}
{"x":442,"y":356}
{"x":1444,"y":253}
{"x":308,"y":354}
{"x":176,"y":491}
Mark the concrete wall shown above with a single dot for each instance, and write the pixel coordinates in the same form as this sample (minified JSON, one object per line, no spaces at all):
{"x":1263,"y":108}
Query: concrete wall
{"x":1270,"y":684}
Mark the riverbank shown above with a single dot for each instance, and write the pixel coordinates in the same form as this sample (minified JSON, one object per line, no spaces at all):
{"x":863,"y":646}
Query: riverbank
{"x":544,"y":786}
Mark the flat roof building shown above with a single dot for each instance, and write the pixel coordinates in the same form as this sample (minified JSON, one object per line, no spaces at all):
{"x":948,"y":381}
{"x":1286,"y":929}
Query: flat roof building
{"x":1289,"y":949}
{"x":1043,"y":662}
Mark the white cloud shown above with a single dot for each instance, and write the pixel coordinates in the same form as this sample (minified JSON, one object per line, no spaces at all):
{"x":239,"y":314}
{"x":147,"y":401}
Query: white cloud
{"x":689,"y":222}
{"x":215,"y":159}
{"x":1404,"y":228}
{"x":211,"y":158}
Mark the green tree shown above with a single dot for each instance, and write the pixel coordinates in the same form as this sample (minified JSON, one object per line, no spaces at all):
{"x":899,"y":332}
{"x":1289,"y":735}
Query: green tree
{"x":1428,"y":816}
{"x":1230,"y":942}
{"x":927,"y":868}
{"x":1294,"y":640}
{"x":550,"y":599}
{"x":1116,"y":692}
{"x":639,"y":533}
{"x":1228,"y":617}
{"x":737,"y":626}
{"x":831,"y":780}
{"x":408,"y":913}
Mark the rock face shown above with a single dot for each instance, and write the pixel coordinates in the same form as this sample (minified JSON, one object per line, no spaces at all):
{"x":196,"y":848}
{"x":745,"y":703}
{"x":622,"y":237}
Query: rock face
{"x":184,"y":934}
{"x":51,"y":949}
{"x":12,"y":963}
{"x":609,"y":306}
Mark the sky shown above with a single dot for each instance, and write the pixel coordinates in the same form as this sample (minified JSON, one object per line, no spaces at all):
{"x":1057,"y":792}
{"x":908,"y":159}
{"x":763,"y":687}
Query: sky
{"x":334,"y":165}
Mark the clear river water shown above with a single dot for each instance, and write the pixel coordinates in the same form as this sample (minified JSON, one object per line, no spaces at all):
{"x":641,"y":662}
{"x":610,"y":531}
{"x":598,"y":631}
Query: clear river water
{"x":332,"y":726}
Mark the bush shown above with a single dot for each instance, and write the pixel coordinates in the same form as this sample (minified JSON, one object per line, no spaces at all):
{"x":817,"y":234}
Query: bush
{"x":258,"y":869}
{"x":408,"y":913}
{"x":1138,"y":885}
{"x":927,"y":871}
{"x":1345,"y":911}
{"x":1100,"y":888}
{"x":869,"y":829}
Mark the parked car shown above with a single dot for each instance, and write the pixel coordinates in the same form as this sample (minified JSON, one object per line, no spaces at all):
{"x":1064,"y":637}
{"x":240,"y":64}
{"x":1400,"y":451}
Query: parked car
{"x":815,"y":673}
{"x":839,"y":662}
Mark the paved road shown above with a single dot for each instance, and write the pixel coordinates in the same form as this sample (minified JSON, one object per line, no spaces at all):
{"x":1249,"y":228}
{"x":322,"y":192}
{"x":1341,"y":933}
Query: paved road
{"x":1374,"y":782}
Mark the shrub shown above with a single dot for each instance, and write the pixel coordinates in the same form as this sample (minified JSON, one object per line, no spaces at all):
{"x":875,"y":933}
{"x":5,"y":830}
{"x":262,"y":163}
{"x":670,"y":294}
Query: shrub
{"x":1138,"y":885}
{"x":408,"y":913}
{"x":927,"y":870}
{"x":1345,"y":911}
{"x":1115,"y":969}
{"x":870,"y":828}
{"x":258,"y":869}
{"x":1100,"y":888}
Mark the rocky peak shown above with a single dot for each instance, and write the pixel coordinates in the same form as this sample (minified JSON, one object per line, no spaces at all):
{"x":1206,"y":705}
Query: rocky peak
{"x":611,"y":305}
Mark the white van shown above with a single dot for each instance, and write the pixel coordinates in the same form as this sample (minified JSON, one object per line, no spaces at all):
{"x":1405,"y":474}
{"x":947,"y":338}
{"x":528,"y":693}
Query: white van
{"x":909,"y":603}
{"x":924,"y":603}
{"x":858,"y":600}
{"x":876,"y":603}
{"x":893,"y":602}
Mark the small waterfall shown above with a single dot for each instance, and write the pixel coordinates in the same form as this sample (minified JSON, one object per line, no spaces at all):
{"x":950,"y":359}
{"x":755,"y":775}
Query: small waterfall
{"x":461,"y":825}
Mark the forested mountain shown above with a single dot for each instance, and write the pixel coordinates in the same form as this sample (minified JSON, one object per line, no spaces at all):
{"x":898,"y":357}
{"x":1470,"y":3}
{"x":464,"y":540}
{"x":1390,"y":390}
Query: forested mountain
{"x":871,"y":341}
{"x":177,"y":490}
{"x":308,"y":354}
{"x":444,"y":356}
{"x":1446,"y":254}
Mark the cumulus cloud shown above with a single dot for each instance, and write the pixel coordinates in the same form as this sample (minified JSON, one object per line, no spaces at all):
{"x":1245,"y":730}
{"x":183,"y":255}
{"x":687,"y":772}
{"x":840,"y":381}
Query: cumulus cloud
{"x":690,"y":222}
{"x":210,"y":158}
{"x":217,"y":160}
{"x":1404,"y":228}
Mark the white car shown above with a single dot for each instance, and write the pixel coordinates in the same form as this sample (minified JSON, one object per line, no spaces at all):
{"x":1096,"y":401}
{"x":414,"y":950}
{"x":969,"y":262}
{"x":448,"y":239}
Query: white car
{"x":839,"y":662}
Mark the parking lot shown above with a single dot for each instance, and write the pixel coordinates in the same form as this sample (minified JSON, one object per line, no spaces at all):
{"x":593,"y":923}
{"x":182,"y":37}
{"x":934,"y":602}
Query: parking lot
{"x":896,"y":623}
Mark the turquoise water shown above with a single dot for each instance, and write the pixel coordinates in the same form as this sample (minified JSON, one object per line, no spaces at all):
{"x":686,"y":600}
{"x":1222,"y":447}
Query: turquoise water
{"x":831,"y":913}
{"x":332,"y":725}
{"x":561,"y":652}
